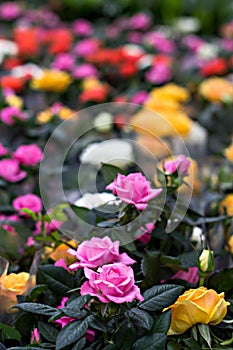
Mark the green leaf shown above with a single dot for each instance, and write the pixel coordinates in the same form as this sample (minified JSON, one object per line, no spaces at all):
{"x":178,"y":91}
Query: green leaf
{"x":39,"y":309}
{"x":25,"y":348}
{"x":222,"y":281}
{"x":141,"y":318}
{"x":80,"y":344}
{"x":57,"y":278}
{"x":156,"y":341}
{"x":191,"y":344}
{"x":159,"y":297}
{"x":36,"y":291}
{"x":173,"y":345}
{"x":162,"y":323}
{"x":150,"y":268}
{"x":98,"y":324}
{"x":57,"y":212}
{"x":48,"y":332}
{"x":30,"y":213}
{"x":111,"y":347}
{"x":72,"y":310}
{"x":110,"y":172}
{"x":9,"y":332}
{"x":72,"y":333}
{"x":205,"y":333}
{"x":84,"y":214}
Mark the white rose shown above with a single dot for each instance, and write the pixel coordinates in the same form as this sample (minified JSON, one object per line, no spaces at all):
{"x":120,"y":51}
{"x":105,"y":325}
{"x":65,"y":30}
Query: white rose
{"x":187,"y":25}
{"x":94,"y":200}
{"x":116,"y":152}
{"x":7,"y":47}
{"x":103,"y":122}
{"x":27,"y":69}
{"x":208,"y":51}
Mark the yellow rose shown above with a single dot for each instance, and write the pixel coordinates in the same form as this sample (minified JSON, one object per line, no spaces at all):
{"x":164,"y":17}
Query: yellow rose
{"x":65,"y":113}
{"x":44,"y":116}
{"x":199,"y":305}
{"x":171,"y":92}
{"x":229,"y":153}
{"x":227,"y":204}
{"x":229,"y":246}
{"x":12,"y":285}
{"x":15,"y":101}
{"x":148,"y":143}
{"x":216,"y":89}
{"x":52,"y":80}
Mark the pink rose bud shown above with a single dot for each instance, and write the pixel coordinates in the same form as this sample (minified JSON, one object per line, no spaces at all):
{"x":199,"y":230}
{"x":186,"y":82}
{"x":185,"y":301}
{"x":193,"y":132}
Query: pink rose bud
{"x":133,"y":189}
{"x":114,"y":282}
{"x":35,"y":335}
{"x":180,"y":164}
{"x":98,"y":252}
{"x":28,"y":155}
{"x":3,"y":150}
{"x":29,"y":201}
{"x":10,"y":170}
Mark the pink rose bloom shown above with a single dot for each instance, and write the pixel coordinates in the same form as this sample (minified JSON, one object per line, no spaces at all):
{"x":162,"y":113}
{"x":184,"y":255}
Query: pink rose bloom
{"x":35,"y":337}
{"x":49,"y":227}
{"x":9,"y":11}
{"x":63,"y":321}
{"x":140,"y":21}
{"x":158,"y":74}
{"x":85,"y":70}
{"x":63,"y":61}
{"x":114,"y":282}
{"x":135,"y":37}
{"x":144,"y":238}
{"x":190,"y":276}
{"x":82,"y":27}
{"x":160,"y":42}
{"x":62,"y":263}
{"x":180,"y":164}
{"x":29,"y":201}
{"x":30,"y":242}
{"x":192,"y":42}
{"x":9,"y":114}
{"x":28,"y":155}
{"x":227,"y":44}
{"x":86,"y":47}
{"x":8,"y":227}
{"x":97,"y":252}
{"x":140,"y":97}
{"x":134,"y":189}
{"x":10,"y":170}
{"x":3,"y":150}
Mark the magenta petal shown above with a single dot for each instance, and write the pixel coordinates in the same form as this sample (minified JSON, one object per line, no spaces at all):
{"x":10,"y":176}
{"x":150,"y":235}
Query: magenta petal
{"x":125,"y":259}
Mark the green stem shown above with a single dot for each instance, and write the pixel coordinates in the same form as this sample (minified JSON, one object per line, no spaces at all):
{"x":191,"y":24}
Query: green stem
{"x":201,"y":281}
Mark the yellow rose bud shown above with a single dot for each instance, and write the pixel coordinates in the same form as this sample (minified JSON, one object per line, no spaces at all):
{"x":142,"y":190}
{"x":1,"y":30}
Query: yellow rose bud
{"x":206,"y":261}
{"x":61,"y":252}
{"x":52,"y":80}
{"x":199,"y":305}
{"x":229,"y":153}
{"x":13,"y":285}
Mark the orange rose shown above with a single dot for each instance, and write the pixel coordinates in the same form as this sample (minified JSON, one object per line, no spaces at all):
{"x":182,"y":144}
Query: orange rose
{"x":199,"y":305}
{"x":216,"y":89}
{"x":229,"y":153}
{"x":227,"y":204}
{"x":61,"y":252}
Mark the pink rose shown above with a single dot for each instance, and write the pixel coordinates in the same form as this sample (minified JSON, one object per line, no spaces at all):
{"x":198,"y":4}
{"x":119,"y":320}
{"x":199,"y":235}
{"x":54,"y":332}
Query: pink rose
{"x":49,"y":227}
{"x":29,"y":201}
{"x":133,"y":189}
{"x":28,"y":154}
{"x":10,"y":171}
{"x":82,"y":27}
{"x":63,"y":321}
{"x":144,"y":238}
{"x":9,"y":114}
{"x":190,"y":276}
{"x":180,"y":164}
{"x":97,"y":252}
{"x":3,"y":150}
{"x":62,"y":263}
{"x":7,"y":226}
{"x":114,"y":282}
